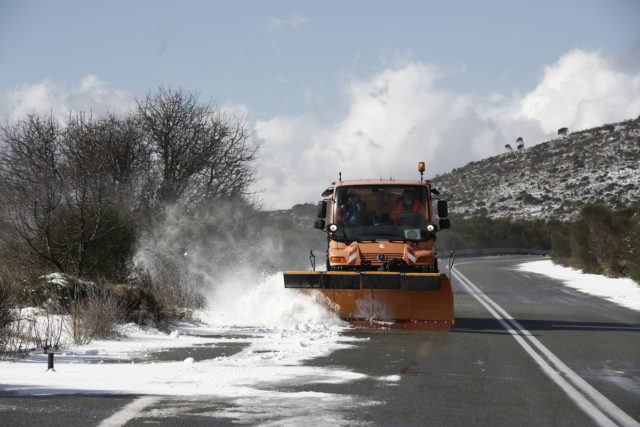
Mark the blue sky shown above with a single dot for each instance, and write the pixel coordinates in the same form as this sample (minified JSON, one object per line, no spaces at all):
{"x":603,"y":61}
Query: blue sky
{"x":346,"y":85}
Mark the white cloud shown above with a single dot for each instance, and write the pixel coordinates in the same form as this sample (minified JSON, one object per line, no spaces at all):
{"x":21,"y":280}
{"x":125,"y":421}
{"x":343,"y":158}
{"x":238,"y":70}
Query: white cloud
{"x":90,"y":94}
{"x":239,"y":111}
{"x":582,"y":90}
{"x":402,"y":115}
{"x":293,"y":22}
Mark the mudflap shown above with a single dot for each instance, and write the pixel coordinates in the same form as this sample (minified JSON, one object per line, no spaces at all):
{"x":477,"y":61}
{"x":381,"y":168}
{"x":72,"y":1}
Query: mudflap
{"x":381,"y":299}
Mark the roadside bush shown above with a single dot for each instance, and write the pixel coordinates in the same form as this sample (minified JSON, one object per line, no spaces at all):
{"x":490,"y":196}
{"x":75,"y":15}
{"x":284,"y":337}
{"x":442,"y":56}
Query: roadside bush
{"x":15,"y":329}
{"x":55,"y":291}
{"x":96,"y":316}
{"x":140,"y":305}
{"x":483,"y":232}
{"x":602,"y":241}
{"x":561,"y":245}
{"x":590,"y":236}
{"x":6,"y":315}
{"x":634,"y":247}
{"x":16,"y":337}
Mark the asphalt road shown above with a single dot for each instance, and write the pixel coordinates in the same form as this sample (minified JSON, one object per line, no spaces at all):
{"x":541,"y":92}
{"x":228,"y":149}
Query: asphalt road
{"x":525,"y":350}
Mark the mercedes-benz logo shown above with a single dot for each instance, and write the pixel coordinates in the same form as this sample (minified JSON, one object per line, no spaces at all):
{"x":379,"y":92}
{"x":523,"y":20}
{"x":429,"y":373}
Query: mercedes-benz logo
{"x":382,"y":257}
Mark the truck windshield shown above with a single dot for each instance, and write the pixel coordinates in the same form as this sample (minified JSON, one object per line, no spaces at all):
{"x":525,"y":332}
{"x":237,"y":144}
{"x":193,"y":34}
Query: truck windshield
{"x":389,"y":212}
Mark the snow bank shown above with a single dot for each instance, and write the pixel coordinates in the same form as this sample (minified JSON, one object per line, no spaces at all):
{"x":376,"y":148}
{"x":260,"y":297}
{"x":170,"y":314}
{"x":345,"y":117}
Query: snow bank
{"x":624,"y":292}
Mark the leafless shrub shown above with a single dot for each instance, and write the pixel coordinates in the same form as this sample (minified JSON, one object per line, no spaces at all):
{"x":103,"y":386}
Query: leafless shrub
{"x":96,"y":316}
{"x":15,"y":328}
{"x":15,"y":338}
{"x":46,"y":328}
{"x":6,"y":316}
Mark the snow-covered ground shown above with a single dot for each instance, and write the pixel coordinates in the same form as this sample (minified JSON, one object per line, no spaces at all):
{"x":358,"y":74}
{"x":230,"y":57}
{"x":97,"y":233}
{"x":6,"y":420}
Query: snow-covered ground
{"x":249,"y":367}
{"x":268,"y":355}
{"x":624,"y":292}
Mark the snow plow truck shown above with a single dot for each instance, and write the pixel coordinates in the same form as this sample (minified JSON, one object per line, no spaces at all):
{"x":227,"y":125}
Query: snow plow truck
{"x":381,"y":265}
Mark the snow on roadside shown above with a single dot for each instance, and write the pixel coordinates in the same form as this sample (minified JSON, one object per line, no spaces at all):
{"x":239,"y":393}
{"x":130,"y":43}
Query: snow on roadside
{"x":270,"y":355}
{"x":249,"y":350}
{"x":263,"y":354}
{"x":624,"y":292}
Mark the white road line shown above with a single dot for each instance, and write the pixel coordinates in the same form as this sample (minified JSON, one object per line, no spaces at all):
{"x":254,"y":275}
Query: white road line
{"x":129,"y":412}
{"x":593,"y":403}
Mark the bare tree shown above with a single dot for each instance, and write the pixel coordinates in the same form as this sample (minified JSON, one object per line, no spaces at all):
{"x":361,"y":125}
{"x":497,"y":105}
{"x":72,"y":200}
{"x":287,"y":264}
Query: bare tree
{"x":73,"y":192}
{"x":31,"y":182}
{"x":129,"y":166}
{"x":200,"y":153}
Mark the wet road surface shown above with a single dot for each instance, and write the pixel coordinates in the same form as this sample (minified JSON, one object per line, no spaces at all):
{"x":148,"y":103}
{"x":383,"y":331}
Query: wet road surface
{"x":525,"y":350}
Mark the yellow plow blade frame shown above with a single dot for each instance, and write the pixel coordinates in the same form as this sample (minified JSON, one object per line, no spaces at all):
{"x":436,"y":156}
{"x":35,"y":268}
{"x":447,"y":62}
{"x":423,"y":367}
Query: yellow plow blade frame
{"x":425,"y":297}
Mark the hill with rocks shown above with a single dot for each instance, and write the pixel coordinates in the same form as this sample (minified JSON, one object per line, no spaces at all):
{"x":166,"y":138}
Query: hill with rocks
{"x":551,"y":180}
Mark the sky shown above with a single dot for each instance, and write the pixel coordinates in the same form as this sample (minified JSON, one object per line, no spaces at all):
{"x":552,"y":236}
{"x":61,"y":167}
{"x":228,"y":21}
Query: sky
{"x":366,"y":88}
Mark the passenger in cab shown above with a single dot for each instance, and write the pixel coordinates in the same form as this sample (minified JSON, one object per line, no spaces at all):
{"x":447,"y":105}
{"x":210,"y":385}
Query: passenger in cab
{"x":408,"y":203}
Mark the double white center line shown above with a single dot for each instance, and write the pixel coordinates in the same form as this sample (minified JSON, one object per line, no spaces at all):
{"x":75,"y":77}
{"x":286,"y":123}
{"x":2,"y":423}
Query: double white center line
{"x":588,"y":399}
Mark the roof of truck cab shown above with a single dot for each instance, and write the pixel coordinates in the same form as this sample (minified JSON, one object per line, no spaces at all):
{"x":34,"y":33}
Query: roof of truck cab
{"x":380,"y":182}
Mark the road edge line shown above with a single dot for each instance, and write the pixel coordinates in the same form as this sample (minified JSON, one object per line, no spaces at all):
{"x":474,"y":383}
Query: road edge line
{"x":128,"y":412}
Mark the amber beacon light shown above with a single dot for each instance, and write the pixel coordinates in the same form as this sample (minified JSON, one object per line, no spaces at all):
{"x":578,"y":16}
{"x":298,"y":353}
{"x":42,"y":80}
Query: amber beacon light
{"x":421,"y":166}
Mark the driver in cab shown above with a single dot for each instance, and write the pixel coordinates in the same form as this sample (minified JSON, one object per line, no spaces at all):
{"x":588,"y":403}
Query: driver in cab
{"x":353,"y":212}
{"x":408,"y":203}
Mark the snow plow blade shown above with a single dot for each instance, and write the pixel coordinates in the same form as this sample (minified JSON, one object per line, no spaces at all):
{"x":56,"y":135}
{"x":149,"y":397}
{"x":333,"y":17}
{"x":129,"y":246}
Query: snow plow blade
{"x":381,"y":299}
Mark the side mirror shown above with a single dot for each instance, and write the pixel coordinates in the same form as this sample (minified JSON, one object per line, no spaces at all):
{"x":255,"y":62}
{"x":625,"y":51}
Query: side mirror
{"x":444,"y":223}
{"x":319,"y":223}
{"x":322,"y":209}
{"x":443,"y":210}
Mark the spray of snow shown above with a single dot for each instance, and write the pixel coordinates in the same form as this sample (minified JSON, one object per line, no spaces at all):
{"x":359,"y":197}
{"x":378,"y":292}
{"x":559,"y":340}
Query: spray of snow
{"x":227,"y":252}
{"x":243,"y":300}
{"x":624,"y":292}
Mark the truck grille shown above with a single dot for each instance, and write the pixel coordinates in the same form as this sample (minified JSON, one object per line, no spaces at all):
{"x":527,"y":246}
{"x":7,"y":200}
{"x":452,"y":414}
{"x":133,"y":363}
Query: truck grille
{"x":373,"y":258}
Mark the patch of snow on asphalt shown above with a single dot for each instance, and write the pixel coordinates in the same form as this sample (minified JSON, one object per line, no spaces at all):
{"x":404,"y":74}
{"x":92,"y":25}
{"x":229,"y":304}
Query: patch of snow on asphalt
{"x":624,"y":292}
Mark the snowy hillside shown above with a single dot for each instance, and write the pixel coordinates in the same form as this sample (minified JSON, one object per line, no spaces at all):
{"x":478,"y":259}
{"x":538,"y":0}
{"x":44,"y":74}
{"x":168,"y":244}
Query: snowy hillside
{"x":552,"y":180}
